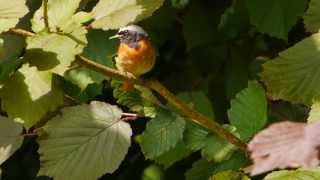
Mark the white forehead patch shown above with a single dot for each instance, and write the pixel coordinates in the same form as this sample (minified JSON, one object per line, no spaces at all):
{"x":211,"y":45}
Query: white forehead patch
{"x":134,"y":28}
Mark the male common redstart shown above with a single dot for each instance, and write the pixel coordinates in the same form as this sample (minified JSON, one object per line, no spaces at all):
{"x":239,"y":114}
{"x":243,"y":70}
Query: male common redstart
{"x":136,"y":54}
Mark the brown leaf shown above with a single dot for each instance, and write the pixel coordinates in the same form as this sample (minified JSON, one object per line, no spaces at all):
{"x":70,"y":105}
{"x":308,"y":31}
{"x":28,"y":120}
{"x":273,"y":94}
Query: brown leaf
{"x":285,"y":144}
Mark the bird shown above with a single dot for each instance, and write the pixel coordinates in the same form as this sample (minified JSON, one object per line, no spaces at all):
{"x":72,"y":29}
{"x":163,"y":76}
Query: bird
{"x":136,"y":54}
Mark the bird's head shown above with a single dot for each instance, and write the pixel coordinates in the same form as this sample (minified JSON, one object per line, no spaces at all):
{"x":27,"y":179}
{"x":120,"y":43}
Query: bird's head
{"x":131,"y":35}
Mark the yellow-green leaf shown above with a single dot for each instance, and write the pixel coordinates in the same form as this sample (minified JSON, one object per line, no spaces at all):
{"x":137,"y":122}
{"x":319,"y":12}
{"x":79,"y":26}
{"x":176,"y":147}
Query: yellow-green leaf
{"x":11,"y":12}
{"x":312,"y":16}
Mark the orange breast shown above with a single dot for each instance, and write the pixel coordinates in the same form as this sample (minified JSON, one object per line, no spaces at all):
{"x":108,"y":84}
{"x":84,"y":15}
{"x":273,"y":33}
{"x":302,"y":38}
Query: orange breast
{"x":136,"y":60}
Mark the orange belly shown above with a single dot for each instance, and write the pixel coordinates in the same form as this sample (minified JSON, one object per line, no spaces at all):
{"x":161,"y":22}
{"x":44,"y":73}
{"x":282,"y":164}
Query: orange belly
{"x":136,"y":61}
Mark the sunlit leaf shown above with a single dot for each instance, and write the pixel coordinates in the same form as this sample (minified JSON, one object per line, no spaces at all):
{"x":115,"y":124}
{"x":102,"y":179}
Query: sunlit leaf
{"x":162,"y":133}
{"x":248,"y":112}
{"x":311,"y":174}
{"x":59,"y":12}
{"x":34,"y":90}
{"x":11,"y":12}
{"x":312,"y":16}
{"x":274,"y":17}
{"x":194,"y":136}
{"x":294,"y":75}
{"x":119,"y":13}
{"x":10,"y":138}
{"x":314,"y":114}
{"x":84,"y":142}
{"x":55,"y":52}
{"x":229,"y":175}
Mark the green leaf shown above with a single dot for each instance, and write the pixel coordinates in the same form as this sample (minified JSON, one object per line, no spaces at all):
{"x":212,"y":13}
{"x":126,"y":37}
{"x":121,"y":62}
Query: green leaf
{"x":10,"y":138}
{"x":59,"y":13}
{"x":179,"y":152}
{"x":11,"y":46}
{"x":34,"y":90}
{"x":162,"y":134}
{"x":312,"y":16}
{"x":194,"y":136}
{"x":84,"y":142}
{"x":153,"y":172}
{"x":248,"y":112}
{"x":140,"y":100}
{"x":314,"y":114}
{"x":311,"y":174}
{"x":118,"y":13}
{"x":179,"y":3}
{"x":10,"y":13}
{"x":273,"y":17}
{"x":294,"y":75}
{"x":216,"y":148}
{"x":55,"y":52}
{"x":203,"y":169}
{"x":229,"y":175}
{"x":235,"y":20}
{"x":99,"y":49}
{"x":199,"y":101}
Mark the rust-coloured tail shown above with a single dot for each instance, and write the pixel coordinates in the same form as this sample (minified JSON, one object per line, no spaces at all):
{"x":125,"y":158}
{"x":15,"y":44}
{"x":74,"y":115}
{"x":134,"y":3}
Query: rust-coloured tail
{"x":127,"y":86}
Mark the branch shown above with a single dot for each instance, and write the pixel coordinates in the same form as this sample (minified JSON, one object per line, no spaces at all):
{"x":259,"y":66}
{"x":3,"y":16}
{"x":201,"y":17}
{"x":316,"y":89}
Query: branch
{"x":20,"y":32}
{"x":45,"y":14}
{"x":155,"y":85}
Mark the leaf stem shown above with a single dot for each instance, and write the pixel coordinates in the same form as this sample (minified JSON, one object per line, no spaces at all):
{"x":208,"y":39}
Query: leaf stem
{"x":45,"y":15}
{"x":20,"y":32}
{"x":155,"y":85}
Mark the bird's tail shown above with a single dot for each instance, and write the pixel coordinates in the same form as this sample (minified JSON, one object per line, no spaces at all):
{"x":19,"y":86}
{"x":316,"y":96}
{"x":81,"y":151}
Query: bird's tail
{"x":127,"y":86}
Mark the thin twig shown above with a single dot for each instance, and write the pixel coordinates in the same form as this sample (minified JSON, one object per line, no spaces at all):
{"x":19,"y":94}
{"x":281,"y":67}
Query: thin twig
{"x":155,"y":85}
{"x":20,"y":32}
{"x":45,"y":14}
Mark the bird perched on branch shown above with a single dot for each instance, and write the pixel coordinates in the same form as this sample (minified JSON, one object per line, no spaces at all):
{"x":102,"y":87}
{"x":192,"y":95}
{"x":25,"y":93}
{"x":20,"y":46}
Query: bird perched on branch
{"x":136,"y":54}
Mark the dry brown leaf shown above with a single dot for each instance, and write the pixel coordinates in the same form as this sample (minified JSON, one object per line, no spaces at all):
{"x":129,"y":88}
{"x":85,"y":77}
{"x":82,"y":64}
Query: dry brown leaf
{"x":285,"y":144}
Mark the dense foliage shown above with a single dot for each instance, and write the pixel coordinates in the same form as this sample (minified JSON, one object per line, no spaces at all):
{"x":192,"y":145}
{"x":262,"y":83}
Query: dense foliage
{"x":225,"y":70}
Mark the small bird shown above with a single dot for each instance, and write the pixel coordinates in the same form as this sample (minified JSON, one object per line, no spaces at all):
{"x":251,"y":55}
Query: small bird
{"x":136,"y":54}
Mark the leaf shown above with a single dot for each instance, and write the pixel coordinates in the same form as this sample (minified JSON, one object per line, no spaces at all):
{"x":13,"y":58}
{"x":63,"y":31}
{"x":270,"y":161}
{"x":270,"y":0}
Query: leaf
{"x":35,"y":91}
{"x":248,"y":112}
{"x":194,"y":136}
{"x":203,"y":169}
{"x":64,"y":47}
{"x":235,"y":20}
{"x":11,"y":46}
{"x":119,"y":13}
{"x":10,"y":138}
{"x":273,"y":17}
{"x":229,"y":175}
{"x":10,"y":13}
{"x":99,"y":49}
{"x":312,"y":16}
{"x":216,"y":148}
{"x":59,"y":12}
{"x":314,"y":114}
{"x":84,"y":142}
{"x":199,"y":101}
{"x":140,"y":100}
{"x":162,"y":134}
{"x":285,"y":144}
{"x":179,"y":152}
{"x":153,"y":172}
{"x":179,"y":3}
{"x":293,"y":76}
{"x":312,"y":174}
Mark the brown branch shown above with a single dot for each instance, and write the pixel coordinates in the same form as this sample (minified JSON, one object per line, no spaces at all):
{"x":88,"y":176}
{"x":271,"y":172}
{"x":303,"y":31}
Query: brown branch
{"x":45,"y":14}
{"x":20,"y":32}
{"x":155,"y":85}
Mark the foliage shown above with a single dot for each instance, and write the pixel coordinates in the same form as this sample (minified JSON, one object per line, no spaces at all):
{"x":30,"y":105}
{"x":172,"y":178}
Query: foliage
{"x":227,"y":69}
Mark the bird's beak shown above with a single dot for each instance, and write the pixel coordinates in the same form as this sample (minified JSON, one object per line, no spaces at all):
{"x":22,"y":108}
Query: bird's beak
{"x":115,"y":36}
